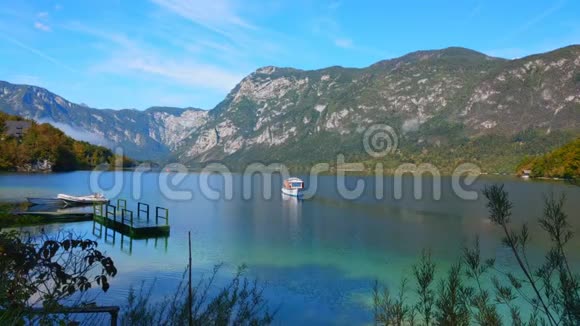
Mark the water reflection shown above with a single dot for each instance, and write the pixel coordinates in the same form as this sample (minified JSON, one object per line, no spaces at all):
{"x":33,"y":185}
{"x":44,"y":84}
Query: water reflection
{"x":125,"y":242}
{"x":292,"y":213}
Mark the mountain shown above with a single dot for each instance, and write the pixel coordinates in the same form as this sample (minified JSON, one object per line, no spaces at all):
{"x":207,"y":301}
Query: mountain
{"x":445,"y":106}
{"x":149,"y":134}
{"x":435,"y":100}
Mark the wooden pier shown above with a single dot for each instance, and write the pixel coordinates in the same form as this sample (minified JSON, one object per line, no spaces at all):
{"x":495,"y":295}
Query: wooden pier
{"x":139,"y":225}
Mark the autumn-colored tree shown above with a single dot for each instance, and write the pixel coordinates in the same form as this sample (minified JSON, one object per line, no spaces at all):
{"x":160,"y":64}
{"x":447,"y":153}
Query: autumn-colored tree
{"x":44,"y":142}
{"x":563,"y":162}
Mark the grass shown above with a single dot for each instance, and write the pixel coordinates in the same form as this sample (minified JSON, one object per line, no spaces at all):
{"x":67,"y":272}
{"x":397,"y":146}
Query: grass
{"x":9,"y":219}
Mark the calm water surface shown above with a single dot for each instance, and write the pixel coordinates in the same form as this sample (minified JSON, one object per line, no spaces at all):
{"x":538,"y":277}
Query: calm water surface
{"x":319,"y":257}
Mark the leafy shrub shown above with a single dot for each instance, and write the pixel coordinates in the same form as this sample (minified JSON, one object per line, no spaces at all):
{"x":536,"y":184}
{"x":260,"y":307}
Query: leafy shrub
{"x":47,"y":272}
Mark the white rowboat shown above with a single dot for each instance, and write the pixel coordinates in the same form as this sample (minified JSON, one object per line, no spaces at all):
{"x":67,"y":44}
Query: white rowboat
{"x":83,"y":200}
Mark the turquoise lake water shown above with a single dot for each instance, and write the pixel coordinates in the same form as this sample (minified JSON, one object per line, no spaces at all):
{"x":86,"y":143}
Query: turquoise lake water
{"x":317,"y":258}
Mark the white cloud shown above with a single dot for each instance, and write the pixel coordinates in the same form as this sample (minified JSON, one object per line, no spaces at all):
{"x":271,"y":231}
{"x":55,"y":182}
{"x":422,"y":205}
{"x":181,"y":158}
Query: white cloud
{"x":114,"y":38}
{"x":216,"y":15}
{"x":240,"y":48}
{"x":205,"y":46}
{"x":187,"y":73}
{"x":42,"y":27}
{"x":42,"y":14}
{"x":343,"y":43}
{"x":127,"y":56}
{"x":224,"y":30}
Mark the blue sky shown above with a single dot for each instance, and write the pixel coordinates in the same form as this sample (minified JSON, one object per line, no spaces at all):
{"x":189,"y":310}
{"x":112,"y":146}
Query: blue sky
{"x":136,"y":54}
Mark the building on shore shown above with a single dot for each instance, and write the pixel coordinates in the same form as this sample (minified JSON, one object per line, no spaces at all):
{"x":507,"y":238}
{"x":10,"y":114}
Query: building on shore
{"x":16,"y":128}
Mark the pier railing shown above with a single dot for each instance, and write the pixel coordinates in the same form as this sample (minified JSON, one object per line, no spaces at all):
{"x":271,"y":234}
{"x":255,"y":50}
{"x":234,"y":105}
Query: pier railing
{"x":161,"y":213}
{"x":142,"y":208}
{"x":123,"y":219}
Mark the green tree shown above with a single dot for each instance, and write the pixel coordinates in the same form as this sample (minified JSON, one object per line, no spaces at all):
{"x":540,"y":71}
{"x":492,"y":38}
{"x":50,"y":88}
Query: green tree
{"x":47,"y":272}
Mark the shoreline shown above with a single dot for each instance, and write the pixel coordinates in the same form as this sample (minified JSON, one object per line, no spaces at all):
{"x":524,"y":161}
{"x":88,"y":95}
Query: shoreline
{"x":386,"y":173}
{"x":10,"y":217}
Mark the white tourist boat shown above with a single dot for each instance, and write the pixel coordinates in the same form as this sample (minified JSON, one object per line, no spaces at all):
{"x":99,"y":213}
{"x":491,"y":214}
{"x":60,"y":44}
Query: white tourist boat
{"x":293,"y":187}
{"x":83,"y":200}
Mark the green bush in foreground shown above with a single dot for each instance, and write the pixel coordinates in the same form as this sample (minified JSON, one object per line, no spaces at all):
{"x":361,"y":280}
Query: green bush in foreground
{"x":552,"y":290}
{"x":47,"y":273}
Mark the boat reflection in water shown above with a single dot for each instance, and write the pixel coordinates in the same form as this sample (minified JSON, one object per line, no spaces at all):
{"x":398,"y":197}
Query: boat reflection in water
{"x":58,"y":210}
{"x":292,"y":214}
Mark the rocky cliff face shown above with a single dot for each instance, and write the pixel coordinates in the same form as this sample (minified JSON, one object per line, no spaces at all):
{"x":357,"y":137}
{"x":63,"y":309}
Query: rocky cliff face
{"x":426,"y":94}
{"x":431,"y":98}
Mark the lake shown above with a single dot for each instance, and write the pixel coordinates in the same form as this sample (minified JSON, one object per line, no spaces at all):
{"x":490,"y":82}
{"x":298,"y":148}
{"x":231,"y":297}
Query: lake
{"x":318,"y":258}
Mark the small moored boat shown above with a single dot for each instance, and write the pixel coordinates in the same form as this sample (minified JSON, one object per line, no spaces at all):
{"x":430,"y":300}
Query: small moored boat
{"x":83,"y":200}
{"x":526,"y":174}
{"x":293,"y":187}
{"x":45,"y":201}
